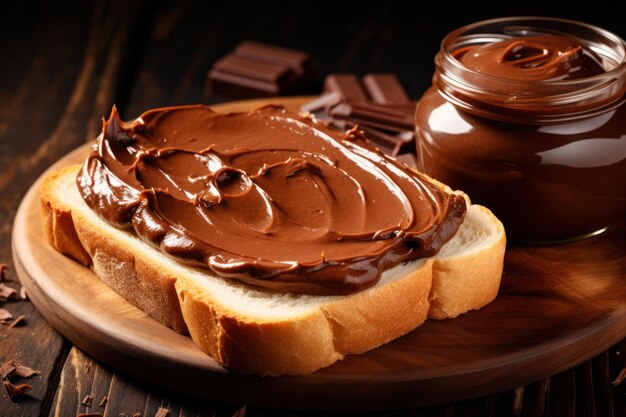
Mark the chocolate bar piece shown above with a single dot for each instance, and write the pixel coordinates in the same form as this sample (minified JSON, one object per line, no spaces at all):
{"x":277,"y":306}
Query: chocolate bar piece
{"x":382,"y":141}
{"x":323,"y":103}
{"x":374,"y":115}
{"x":257,"y":70}
{"x":348,"y":85}
{"x":398,"y":142}
{"x":385,"y":88}
{"x":297,"y":61}
{"x":382,"y":110}
{"x":233,"y":75}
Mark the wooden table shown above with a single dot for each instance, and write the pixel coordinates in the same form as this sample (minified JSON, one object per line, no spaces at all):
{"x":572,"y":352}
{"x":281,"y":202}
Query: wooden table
{"x":62,"y":68}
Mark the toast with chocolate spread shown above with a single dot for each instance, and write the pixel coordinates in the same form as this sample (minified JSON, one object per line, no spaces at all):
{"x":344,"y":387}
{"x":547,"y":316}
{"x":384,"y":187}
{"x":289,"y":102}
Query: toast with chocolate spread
{"x":278,"y":244}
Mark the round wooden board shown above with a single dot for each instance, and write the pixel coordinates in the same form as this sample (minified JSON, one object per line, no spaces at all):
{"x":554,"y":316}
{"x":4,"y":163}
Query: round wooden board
{"x":558,"y":306}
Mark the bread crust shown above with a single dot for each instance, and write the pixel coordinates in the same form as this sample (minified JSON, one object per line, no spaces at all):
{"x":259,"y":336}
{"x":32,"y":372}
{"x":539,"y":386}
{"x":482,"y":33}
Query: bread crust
{"x":242,"y":340}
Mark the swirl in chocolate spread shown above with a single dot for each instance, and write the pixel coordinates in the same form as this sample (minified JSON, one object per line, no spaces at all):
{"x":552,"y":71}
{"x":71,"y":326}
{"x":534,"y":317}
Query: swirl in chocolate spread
{"x":539,"y":58}
{"x":268,"y":197}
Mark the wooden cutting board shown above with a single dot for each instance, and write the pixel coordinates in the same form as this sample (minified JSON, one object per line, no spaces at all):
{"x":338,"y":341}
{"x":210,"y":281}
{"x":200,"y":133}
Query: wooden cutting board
{"x":558,"y":306}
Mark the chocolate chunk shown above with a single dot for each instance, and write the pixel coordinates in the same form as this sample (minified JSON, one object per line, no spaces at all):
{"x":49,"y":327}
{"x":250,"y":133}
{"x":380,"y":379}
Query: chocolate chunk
{"x":25,"y":372}
{"x":408,"y":159}
{"x":297,"y":61}
{"x":7,"y":292}
{"x":268,"y":72}
{"x":88,"y":400}
{"x":401,"y":141}
{"x":19,"y":321}
{"x":11,"y":368}
{"x":373,"y":115}
{"x":384,"y":112}
{"x":162,"y":412}
{"x":389,"y":144}
{"x":348,"y":85}
{"x":7,"y":369}
{"x":385,"y":88}
{"x":323,"y":103}
{"x":5,"y":316}
{"x":16,"y":392}
{"x":241,"y":412}
{"x":258,"y":70}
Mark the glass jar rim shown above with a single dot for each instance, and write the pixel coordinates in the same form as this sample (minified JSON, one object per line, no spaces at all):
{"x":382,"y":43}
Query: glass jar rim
{"x":444,"y":47}
{"x":521,"y":100}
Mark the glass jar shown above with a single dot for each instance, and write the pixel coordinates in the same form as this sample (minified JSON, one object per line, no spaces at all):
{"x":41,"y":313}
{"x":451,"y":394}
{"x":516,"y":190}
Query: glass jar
{"x":548,"y":157}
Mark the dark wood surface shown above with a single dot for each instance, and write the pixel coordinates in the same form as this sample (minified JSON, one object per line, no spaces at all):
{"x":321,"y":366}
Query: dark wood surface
{"x":558,"y":305}
{"x":64,"y":64}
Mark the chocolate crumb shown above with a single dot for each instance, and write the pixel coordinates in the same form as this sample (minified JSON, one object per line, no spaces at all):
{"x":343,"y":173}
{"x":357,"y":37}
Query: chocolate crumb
{"x":103,"y":401}
{"x":241,"y":412}
{"x":23,"y":294}
{"x":90,"y":415}
{"x":16,"y":392}
{"x":7,"y":369}
{"x":5,"y":316}
{"x":25,"y":371}
{"x":19,"y":321}
{"x":619,"y":378}
{"x":7,"y":292}
{"x":162,"y":412}
{"x":88,"y":400}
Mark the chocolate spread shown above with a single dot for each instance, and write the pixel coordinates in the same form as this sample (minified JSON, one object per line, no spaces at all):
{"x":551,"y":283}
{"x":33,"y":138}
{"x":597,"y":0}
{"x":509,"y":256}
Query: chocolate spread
{"x":539,"y":58}
{"x":268,"y":197}
{"x":548,"y":172}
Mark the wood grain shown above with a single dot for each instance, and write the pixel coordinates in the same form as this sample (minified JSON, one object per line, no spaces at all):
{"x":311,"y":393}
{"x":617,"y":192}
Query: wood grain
{"x":56,"y":80}
{"x":82,"y":377}
{"x":558,"y":306}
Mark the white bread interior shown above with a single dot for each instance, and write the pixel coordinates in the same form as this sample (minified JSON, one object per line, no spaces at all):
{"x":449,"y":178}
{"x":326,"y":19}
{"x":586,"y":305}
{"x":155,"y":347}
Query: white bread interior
{"x":255,"y":331}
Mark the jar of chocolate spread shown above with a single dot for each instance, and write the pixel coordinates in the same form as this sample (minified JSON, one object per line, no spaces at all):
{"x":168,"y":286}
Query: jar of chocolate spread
{"x":527,"y":116}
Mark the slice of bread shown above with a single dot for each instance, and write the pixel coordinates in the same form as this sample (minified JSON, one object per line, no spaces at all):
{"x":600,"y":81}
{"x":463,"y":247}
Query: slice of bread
{"x":254,"y":331}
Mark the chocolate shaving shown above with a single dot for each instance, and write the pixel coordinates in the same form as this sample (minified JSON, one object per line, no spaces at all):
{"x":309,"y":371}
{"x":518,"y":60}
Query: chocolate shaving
{"x":87,"y":368}
{"x":19,"y":321}
{"x":90,"y":415}
{"x":103,"y":401}
{"x":7,"y":369}
{"x":162,"y":412}
{"x":7,"y":292}
{"x":11,"y":368}
{"x":23,"y":294}
{"x":241,"y":412}
{"x":88,"y":400}
{"x":5,"y":316}
{"x":16,"y":392}
{"x":619,"y":378}
{"x":25,"y":372}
